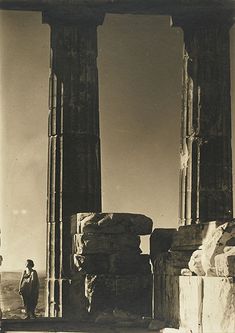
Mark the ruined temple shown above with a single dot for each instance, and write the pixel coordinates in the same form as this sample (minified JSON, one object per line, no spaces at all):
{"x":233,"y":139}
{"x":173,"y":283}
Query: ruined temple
{"x":93,"y":257}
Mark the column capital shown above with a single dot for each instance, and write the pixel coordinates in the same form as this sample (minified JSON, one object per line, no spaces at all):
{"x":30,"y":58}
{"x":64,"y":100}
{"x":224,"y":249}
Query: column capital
{"x":78,"y":17}
{"x":203,"y":18}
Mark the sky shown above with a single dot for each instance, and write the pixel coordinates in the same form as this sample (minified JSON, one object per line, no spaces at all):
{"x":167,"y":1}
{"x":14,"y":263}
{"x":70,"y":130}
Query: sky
{"x":140,"y":70}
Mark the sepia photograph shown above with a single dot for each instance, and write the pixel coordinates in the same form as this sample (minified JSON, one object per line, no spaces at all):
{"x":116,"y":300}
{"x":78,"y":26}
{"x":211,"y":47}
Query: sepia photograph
{"x":117,"y":161}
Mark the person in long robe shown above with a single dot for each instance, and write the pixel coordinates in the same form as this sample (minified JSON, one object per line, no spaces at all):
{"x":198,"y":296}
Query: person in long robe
{"x":29,"y":289}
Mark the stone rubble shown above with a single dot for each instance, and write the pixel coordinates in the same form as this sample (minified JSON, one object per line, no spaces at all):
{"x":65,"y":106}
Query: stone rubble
{"x":214,"y":258}
{"x":106,"y":251}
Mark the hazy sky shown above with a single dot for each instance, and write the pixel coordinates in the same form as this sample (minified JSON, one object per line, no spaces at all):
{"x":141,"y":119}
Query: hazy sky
{"x":139,"y":63}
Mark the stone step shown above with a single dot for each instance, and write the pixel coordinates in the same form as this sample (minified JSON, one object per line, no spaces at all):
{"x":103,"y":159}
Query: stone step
{"x":44,"y":325}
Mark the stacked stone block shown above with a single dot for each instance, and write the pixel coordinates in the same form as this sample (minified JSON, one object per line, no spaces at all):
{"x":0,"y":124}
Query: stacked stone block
{"x":106,"y":250}
{"x":183,"y":299}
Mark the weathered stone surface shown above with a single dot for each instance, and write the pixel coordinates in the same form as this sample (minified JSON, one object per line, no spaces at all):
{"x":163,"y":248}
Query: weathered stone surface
{"x":206,"y":152}
{"x":191,"y":237}
{"x":174,"y":330}
{"x":213,"y":305}
{"x":119,"y":263}
{"x":90,"y":243}
{"x":202,"y":261}
{"x":225,"y":263}
{"x":128,"y":293}
{"x":156,"y":325}
{"x":228,"y":248}
{"x":231,"y":242}
{"x":120,"y":318}
{"x":218,"y":312}
{"x":190,"y":302}
{"x":114,"y":223}
{"x":186,"y":272}
{"x":171,"y":263}
{"x":160,"y":241}
{"x":215,"y":245}
{"x":77,"y":300}
{"x":92,"y":264}
{"x":129,"y":264}
{"x":118,"y":6}
{"x":195,"y":263}
{"x":166,"y":299}
{"x":74,"y":173}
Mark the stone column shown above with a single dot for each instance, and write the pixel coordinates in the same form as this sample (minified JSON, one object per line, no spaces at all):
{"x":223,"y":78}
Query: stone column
{"x":74,"y":176}
{"x":206,"y":157}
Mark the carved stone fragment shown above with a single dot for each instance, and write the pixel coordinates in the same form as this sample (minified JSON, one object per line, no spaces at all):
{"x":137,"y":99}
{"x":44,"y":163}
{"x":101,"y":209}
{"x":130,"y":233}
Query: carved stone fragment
{"x":202,"y":261}
{"x":195,"y":263}
{"x":114,"y":223}
{"x":215,"y":245}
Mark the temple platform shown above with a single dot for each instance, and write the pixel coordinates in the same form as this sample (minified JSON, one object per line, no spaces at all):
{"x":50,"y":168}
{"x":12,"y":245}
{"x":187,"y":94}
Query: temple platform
{"x":56,"y":325}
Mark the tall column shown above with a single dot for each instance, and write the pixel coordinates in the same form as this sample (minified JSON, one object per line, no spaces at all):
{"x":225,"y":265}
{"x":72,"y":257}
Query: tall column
{"x":206,"y":157}
{"x":74,"y":176}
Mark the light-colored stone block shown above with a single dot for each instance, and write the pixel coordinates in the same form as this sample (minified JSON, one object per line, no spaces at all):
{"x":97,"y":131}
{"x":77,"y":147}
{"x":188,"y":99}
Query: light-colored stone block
{"x":195,"y":263}
{"x":207,"y":304}
{"x":190,"y":302}
{"x":218,"y":305}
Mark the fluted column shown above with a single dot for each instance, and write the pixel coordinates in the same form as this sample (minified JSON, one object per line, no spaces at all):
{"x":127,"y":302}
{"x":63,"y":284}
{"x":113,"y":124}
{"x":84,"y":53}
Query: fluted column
{"x":206,"y":158}
{"x":74,"y":176}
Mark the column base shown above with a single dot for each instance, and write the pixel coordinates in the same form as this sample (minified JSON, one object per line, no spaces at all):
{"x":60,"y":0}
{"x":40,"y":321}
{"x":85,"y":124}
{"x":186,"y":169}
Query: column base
{"x":57,"y":292}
